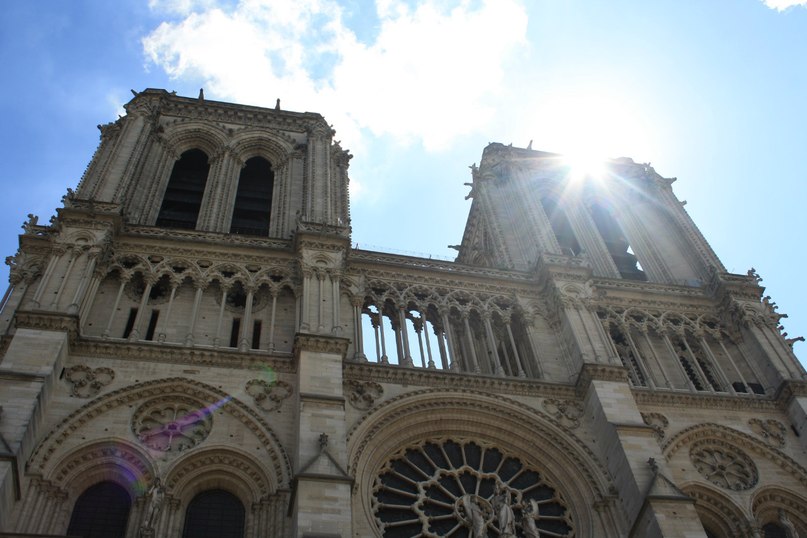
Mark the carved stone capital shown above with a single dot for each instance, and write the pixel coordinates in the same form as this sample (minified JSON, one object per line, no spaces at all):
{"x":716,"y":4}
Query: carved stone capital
{"x":320,"y":344}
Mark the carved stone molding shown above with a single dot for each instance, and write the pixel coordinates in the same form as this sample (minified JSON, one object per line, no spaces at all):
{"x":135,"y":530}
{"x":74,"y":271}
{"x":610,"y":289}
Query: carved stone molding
{"x":197,"y":356}
{"x":658,"y":422}
{"x":172,"y":423}
{"x":47,"y":321}
{"x":362,"y":394}
{"x":320,"y":344}
{"x":658,"y":398}
{"x":567,"y":412}
{"x":87,"y":382}
{"x":600,"y":372}
{"x":398,"y":375}
{"x":771,"y":431}
{"x":268,"y":396}
{"x":724,"y":465}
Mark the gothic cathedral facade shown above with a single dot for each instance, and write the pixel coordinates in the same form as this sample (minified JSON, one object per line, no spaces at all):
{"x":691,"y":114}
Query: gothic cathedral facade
{"x":193,"y":348}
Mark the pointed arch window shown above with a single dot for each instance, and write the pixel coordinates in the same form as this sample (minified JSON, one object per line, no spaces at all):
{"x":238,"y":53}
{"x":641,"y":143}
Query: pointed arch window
{"x":214,"y":514}
{"x":186,"y":187}
{"x":253,"y":201}
{"x":616,"y":243}
{"x":102,"y":511}
{"x":561,"y":226}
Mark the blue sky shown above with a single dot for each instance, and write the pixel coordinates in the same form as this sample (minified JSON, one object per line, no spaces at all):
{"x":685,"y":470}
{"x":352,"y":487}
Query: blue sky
{"x":714,"y":93}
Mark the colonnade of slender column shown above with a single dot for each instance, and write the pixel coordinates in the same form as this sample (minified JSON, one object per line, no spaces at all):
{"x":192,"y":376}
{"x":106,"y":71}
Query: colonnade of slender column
{"x":466,"y":340}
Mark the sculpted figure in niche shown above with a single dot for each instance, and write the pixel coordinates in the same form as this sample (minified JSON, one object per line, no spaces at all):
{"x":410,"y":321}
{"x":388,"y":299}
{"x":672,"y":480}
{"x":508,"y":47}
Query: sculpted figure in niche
{"x":156,"y":498}
{"x":476,"y":515}
{"x":529,"y":514}
{"x":504,"y":512}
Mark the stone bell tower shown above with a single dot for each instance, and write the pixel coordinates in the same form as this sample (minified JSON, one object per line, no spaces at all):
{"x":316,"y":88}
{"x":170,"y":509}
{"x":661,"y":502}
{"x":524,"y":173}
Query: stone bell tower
{"x":192,"y":348}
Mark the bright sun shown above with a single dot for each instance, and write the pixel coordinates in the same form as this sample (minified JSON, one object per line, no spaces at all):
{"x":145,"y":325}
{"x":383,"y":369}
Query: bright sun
{"x":589,"y":127}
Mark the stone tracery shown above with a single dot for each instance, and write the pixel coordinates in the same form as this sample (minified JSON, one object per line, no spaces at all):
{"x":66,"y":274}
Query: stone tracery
{"x":449,"y":487}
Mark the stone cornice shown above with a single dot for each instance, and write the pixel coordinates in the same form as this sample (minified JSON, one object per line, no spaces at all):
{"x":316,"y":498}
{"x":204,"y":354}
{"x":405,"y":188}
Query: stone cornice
{"x":47,"y":321}
{"x":440,"y":379}
{"x":174,"y":105}
{"x":317,"y":343}
{"x":132,"y":232}
{"x":358,"y":258}
{"x":196,"y":356}
{"x":599,"y":372}
{"x":790,"y":389}
{"x":702,"y":401}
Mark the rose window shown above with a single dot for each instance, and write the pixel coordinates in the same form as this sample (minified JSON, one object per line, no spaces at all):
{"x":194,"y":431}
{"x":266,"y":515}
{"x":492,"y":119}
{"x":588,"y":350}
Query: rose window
{"x":724,"y":465}
{"x":465,"y":489}
{"x":172,"y":426}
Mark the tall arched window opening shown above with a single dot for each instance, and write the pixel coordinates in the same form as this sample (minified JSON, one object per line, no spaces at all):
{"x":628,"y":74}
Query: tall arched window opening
{"x":214,"y":514}
{"x":253,"y":201}
{"x":616,"y":243}
{"x":561,"y":226}
{"x":102,"y":511}
{"x":186,"y":186}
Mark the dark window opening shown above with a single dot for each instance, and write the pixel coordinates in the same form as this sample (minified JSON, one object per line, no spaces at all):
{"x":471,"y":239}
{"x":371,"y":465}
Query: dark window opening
{"x":186,"y":187}
{"x":253,"y":201}
{"x":616,"y":243}
{"x":756,"y":388}
{"x":774,"y":530}
{"x":234,"y":332}
{"x":739,"y":387}
{"x":152,"y":324}
{"x":214,"y":514}
{"x":256,"y":335}
{"x":102,"y":511}
{"x":561,"y":227}
{"x":130,"y":322}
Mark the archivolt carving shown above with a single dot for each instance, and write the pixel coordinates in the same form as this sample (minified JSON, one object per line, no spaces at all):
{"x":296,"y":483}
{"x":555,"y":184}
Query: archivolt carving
{"x":180,"y":387}
{"x":767,"y":503}
{"x":87,"y":382}
{"x":109,"y":459}
{"x":716,"y":432}
{"x":771,"y":431}
{"x":523,"y":431}
{"x":717,"y":511}
{"x":216,"y":463}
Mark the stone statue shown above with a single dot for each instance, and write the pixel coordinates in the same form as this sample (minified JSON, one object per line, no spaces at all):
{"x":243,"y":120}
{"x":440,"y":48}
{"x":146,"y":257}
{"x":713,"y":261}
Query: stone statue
{"x":529,"y":514}
{"x":504,"y":512}
{"x":156,"y":499}
{"x":476,"y":515}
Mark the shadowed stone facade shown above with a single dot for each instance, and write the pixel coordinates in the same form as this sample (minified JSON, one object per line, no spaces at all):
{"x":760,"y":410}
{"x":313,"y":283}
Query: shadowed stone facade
{"x":191,"y":347}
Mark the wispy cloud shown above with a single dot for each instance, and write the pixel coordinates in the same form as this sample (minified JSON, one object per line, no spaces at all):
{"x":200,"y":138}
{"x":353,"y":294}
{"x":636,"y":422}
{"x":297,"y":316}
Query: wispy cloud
{"x":431,"y":73}
{"x":781,"y":5}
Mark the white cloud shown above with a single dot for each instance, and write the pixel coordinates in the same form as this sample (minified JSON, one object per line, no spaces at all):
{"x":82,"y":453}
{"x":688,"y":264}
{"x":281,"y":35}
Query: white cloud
{"x":431,"y":74}
{"x":781,"y":5}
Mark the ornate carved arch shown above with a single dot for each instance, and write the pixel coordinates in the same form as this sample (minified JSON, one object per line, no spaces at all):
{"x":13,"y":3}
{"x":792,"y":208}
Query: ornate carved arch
{"x":220,"y":467}
{"x":534,"y":437}
{"x":262,"y":143}
{"x":276,"y":457}
{"x":114,"y":459}
{"x":183,"y":135}
{"x":768,"y":501}
{"x":717,"y":432}
{"x":716,"y":510}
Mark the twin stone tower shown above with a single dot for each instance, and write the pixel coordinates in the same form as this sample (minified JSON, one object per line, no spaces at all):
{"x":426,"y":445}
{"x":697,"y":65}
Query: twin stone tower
{"x":192,"y":348}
